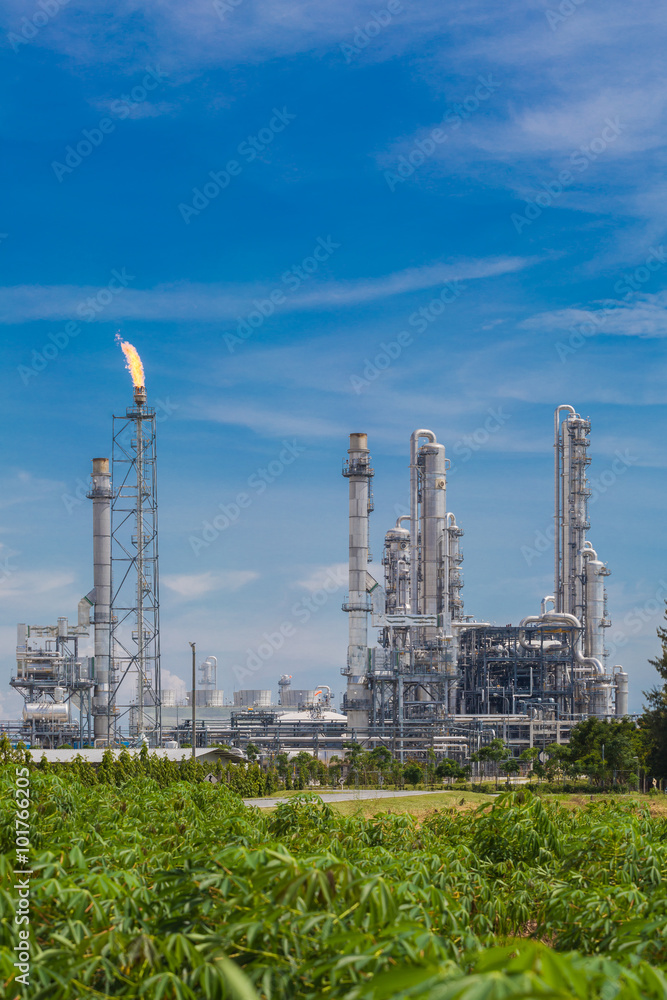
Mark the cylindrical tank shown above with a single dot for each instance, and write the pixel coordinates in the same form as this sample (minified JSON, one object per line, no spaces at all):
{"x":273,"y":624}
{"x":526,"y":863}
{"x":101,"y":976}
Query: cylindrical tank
{"x":594,"y":635}
{"x":169,"y":698}
{"x":298,"y":696}
{"x":434,"y":512}
{"x":45,"y":711}
{"x":621,"y":692}
{"x":210,"y":698}
{"x":252,"y":699}
{"x":600,"y":695}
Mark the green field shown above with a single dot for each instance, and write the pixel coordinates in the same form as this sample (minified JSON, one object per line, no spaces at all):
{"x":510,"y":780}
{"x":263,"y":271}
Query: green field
{"x":183,"y":892}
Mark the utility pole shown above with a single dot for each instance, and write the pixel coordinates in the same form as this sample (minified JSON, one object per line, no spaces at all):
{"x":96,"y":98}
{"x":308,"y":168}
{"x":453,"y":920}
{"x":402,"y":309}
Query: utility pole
{"x":194,"y":700}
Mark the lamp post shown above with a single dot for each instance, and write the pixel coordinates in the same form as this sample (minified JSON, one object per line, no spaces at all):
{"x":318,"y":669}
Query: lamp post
{"x":194,"y":710}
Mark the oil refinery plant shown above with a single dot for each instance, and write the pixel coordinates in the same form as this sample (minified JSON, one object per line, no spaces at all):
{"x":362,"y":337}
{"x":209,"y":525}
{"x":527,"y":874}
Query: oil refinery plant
{"x":436,"y":674}
{"x":420,"y":674}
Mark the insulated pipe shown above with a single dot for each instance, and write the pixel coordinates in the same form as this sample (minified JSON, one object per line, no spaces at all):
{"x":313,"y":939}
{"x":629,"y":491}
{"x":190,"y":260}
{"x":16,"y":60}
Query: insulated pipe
{"x":85,"y":604}
{"x":101,"y":497}
{"x":414,"y":526}
{"x":557,"y":497}
{"x":561,"y":617}
{"x":548,"y":645}
{"x":548,"y":600}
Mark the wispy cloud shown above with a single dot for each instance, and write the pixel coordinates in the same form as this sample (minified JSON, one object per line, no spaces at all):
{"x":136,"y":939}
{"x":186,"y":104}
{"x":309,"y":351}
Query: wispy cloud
{"x":192,"y":301}
{"x":332,"y":575}
{"x":645,"y":317}
{"x":192,"y":585}
{"x":23,"y":487}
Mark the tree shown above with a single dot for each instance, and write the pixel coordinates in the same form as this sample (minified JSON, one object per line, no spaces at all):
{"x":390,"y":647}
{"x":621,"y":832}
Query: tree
{"x":652,"y":732}
{"x":509,"y":766}
{"x":380,"y":759}
{"x":252,"y":752}
{"x":603,"y":749}
{"x":448,"y":768}
{"x":492,"y":752}
{"x":530,"y":756}
{"x":356,"y":759}
{"x":412,"y":773}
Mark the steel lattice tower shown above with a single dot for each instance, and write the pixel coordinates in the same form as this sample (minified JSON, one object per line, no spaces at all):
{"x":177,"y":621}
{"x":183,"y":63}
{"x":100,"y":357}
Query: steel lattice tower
{"x":135,"y":630}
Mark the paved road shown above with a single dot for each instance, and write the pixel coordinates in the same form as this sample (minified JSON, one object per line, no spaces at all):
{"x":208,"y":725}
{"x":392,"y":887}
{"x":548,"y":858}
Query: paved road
{"x":362,"y":793}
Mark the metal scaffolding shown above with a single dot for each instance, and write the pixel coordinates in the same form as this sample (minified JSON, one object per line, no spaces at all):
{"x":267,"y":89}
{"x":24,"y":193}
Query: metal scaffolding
{"x":135,"y":629}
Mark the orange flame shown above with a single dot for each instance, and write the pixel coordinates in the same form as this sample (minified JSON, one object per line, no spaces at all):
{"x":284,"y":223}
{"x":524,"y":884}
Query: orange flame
{"x":133,"y":363}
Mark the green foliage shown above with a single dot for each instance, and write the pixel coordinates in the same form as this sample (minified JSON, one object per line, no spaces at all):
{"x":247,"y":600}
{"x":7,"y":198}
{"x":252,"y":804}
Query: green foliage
{"x":159,"y":885}
{"x":652,"y":736}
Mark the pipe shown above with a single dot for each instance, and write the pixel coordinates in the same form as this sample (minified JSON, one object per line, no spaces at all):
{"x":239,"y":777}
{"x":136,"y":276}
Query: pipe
{"x":548,"y":600}
{"x":101,"y":494}
{"x":561,"y":617}
{"x":414,"y":529}
{"x":527,"y":644}
{"x":85,"y":604}
{"x":557,"y":496}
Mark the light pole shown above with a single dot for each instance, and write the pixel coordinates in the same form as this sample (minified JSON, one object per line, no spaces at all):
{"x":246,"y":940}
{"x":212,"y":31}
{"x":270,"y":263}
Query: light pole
{"x":194,"y":710}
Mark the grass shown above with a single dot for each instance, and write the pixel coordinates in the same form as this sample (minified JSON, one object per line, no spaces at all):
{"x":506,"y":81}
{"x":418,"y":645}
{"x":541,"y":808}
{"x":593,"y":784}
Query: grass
{"x":417,"y":805}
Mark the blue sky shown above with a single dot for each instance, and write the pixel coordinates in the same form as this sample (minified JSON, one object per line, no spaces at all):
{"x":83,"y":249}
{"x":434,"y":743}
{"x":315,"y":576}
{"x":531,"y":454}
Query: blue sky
{"x":484,"y":181}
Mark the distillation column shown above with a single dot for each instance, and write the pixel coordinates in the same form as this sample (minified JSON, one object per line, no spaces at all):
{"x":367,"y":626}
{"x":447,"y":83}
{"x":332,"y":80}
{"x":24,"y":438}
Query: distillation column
{"x":433,"y":597}
{"x":101,"y":497}
{"x":358,"y":471}
{"x":579,"y":594}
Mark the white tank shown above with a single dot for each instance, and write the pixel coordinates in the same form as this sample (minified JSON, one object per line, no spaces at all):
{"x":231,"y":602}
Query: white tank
{"x":298,"y":696}
{"x":252,"y":699}
{"x":210,"y":699}
{"x":45,"y":711}
{"x":594,"y":639}
{"x":621,"y":692}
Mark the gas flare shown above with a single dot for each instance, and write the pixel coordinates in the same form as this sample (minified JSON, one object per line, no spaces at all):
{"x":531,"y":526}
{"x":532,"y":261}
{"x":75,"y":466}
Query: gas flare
{"x":133,"y":363}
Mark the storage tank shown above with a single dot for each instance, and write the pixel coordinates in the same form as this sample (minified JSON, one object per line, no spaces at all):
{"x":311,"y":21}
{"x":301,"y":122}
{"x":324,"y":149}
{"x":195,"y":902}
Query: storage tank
{"x":252,"y":699}
{"x":210,"y":699}
{"x":621,"y":692}
{"x":293,"y":697}
{"x":45,"y":711}
{"x":169,"y":698}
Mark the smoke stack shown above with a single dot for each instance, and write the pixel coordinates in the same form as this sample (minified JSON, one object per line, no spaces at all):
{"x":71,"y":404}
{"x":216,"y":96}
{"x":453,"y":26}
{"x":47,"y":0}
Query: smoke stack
{"x":358,"y":472}
{"x":140,"y":395}
{"x":100,"y":494}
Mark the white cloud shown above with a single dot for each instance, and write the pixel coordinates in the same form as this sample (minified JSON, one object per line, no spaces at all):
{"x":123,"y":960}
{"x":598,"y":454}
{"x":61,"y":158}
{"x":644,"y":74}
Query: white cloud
{"x":192,"y":585}
{"x":199,"y":302}
{"x":26,"y":584}
{"x":646,"y":316}
{"x":23,"y":487}
{"x":172,"y":682}
{"x":335,"y":574}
